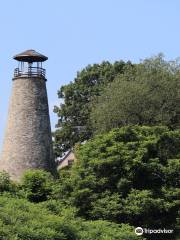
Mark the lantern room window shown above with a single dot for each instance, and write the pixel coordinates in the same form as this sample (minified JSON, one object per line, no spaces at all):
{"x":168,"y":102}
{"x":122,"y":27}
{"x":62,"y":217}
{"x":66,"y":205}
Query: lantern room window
{"x":30,"y":64}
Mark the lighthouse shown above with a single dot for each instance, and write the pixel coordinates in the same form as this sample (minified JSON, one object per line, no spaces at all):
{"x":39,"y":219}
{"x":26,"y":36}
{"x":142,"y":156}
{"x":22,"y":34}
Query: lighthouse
{"x":28,"y":141}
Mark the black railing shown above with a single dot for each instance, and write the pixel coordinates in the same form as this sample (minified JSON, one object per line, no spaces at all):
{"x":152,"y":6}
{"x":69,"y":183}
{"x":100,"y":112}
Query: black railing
{"x":30,"y":72}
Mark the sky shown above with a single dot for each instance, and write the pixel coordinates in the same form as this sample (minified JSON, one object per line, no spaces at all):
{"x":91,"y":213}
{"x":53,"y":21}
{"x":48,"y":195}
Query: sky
{"x":75,"y":33}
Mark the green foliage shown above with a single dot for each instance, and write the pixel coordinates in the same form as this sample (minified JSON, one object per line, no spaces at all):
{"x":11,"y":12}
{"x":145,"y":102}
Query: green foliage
{"x":173,"y":173}
{"x":37,"y":185}
{"x":6,"y":185}
{"x":127,"y":176}
{"x":73,"y":113}
{"x":122,"y":179}
{"x":145,"y":94}
{"x":103,"y":230}
{"x":5,"y":232}
{"x":21,"y":220}
{"x":107,"y":206}
{"x":27,"y":221}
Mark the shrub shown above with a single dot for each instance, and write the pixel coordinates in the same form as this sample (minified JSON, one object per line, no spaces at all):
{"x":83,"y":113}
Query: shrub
{"x":127,"y":176}
{"x":37,"y":185}
{"x":6,"y":185}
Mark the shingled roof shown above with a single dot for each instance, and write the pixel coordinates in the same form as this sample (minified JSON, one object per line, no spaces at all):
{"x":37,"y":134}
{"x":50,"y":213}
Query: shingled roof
{"x":30,"y":56}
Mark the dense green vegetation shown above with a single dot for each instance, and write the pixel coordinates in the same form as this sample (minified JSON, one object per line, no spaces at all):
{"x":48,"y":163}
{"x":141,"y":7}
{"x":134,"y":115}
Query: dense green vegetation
{"x":105,"y":96}
{"x":74,"y":121}
{"x":25,"y":215}
{"x":146,"y":94}
{"x":123,"y":121}
{"x":22,"y":220}
{"x":126,"y":178}
{"x":129,"y":175}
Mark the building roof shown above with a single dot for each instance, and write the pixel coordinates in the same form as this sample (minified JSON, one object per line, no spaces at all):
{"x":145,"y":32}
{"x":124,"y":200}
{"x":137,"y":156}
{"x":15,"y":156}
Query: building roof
{"x":65,"y":156}
{"x":30,"y":56}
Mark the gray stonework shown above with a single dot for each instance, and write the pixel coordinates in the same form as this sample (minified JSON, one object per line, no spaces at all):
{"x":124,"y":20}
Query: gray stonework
{"x":28,"y":141}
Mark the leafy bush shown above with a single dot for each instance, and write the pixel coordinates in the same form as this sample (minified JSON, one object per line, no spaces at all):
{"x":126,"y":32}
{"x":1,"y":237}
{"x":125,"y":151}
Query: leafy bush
{"x":6,"y":185}
{"x":28,"y":221}
{"x":37,"y":185}
{"x":103,"y":230}
{"x":22,"y":220}
{"x":127,"y":176}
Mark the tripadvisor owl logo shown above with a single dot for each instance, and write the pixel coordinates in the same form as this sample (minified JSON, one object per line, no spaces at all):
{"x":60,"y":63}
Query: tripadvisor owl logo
{"x":139,"y":231}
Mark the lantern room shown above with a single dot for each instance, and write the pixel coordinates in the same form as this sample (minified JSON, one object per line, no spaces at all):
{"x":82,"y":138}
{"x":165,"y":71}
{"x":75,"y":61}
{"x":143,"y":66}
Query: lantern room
{"x":30,"y":64}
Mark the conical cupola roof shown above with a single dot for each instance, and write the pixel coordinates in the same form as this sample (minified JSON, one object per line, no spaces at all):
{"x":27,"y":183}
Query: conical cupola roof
{"x":30,"y":56}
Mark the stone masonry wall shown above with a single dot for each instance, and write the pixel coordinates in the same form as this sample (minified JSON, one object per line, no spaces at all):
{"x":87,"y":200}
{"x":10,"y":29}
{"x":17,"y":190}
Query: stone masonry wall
{"x":27,"y":142}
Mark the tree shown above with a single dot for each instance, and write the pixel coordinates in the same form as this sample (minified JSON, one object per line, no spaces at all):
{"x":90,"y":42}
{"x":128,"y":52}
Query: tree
{"x":73,"y":123}
{"x":129,"y":175}
{"x":147,"y":94}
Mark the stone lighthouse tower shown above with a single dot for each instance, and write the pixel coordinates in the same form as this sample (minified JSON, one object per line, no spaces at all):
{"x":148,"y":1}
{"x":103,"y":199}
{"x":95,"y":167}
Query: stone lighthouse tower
{"x":28,"y":142}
